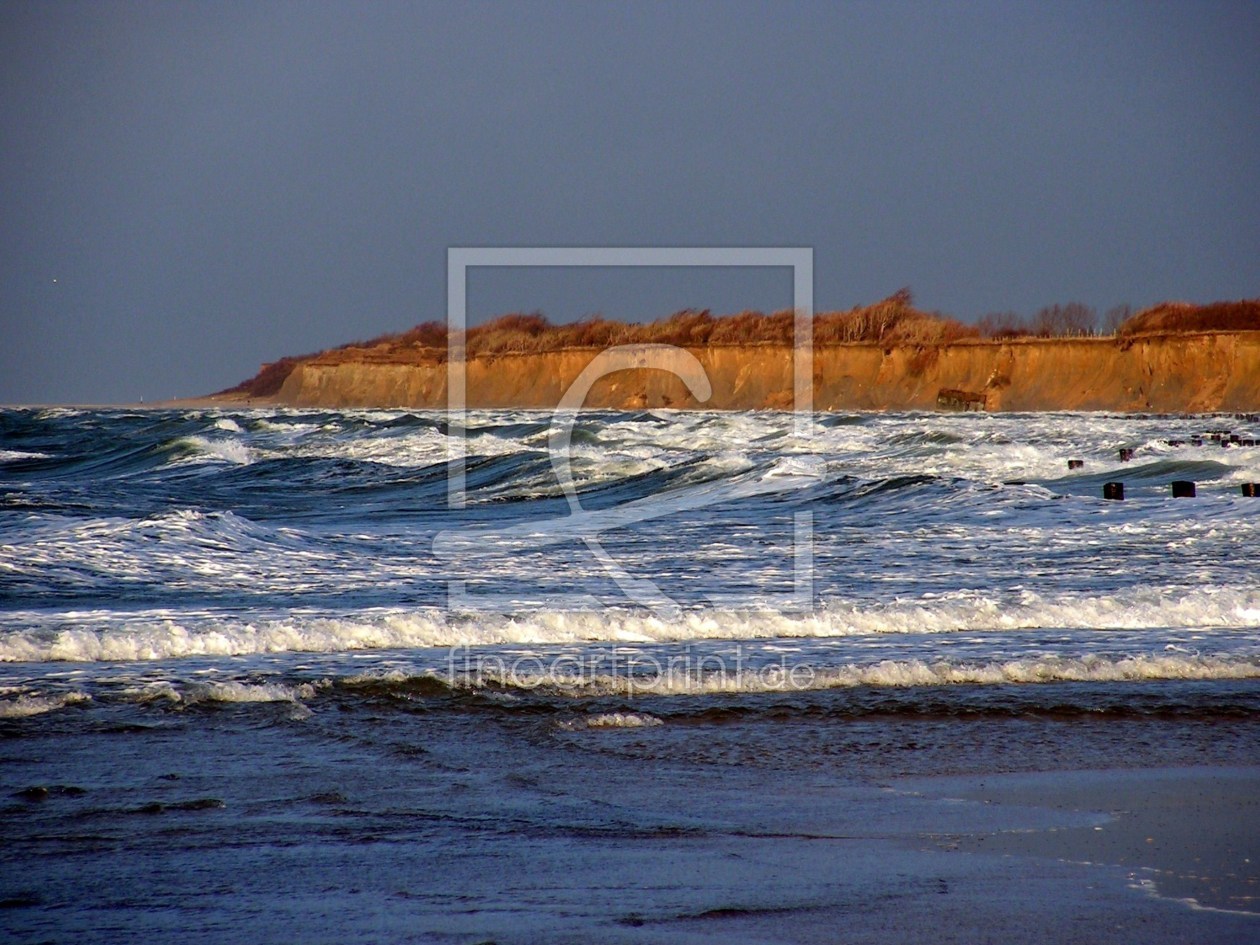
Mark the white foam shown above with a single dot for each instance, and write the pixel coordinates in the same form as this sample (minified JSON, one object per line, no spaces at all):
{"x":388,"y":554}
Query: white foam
{"x":58,"y":413}
{"x":1150,"y":887}
{"x":231,"y":691}
{"x":152,"y":692}
{"x":289,"y":428}
{"x":229,"y":450}
{"x":611,"y":720}
{"x":9,"y":456}
{"x":26,"y":706}
{"x":417,"y":449}
{"x":171,"y":638}
{"x":1133,"y":609}
{"x":897,"y":674}
{"x":181,"y":547}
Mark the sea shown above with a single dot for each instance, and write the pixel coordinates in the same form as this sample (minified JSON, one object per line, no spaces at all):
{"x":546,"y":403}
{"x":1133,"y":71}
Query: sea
{"x":273,"y":674}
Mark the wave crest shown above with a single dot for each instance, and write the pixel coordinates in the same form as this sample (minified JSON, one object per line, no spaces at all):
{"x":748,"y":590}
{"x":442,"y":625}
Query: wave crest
{"x":25,"y":706}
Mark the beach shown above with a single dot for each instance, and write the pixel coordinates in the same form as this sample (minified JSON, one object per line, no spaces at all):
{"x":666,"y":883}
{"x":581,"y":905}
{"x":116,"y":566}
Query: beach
{"x":1187,"y":834}
{"x":245,"y":822}
{"x":278,"y":674}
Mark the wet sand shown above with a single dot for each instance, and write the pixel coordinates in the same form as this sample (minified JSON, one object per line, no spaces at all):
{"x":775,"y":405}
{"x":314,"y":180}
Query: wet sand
{"x":1185,"y":834}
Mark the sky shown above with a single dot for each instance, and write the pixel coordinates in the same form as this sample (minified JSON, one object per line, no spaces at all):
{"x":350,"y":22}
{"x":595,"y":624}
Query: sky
{"x":189,"y":189}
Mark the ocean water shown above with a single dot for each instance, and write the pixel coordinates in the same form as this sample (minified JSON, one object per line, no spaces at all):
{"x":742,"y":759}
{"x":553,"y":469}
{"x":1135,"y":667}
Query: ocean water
{"x":386,"y":675}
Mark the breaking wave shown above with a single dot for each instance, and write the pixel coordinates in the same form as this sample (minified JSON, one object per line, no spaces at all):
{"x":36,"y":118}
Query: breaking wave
{"x":892,"y":674}
{"x":89,"y":637}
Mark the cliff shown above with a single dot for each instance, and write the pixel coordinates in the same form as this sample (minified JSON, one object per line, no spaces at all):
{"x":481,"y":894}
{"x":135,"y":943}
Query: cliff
{"x":1183,"y":372}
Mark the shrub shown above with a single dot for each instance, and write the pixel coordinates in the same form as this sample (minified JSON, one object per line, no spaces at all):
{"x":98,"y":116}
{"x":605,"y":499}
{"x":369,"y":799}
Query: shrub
{"x":1170,"y":317}
{"x":1065,"y":321}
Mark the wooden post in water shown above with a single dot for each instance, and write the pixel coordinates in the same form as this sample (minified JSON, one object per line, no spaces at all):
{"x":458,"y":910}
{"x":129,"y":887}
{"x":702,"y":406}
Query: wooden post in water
{"x":1251,"y":489}
{"x":1075,"y":463}
{"x":1183,"y":489}
{"x":1113,"y":490}
{"x":1126,"y":454}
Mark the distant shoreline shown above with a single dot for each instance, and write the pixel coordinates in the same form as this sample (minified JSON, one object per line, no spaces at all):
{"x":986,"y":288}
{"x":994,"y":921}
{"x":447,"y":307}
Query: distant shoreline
{"x":1172,"y":357}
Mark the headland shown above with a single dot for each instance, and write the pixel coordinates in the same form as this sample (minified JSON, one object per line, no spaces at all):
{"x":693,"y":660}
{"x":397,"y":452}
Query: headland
{"x":1175,"y":357}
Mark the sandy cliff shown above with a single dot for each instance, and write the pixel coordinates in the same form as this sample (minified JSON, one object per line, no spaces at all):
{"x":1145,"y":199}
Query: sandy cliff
{"x":1187,"y":372}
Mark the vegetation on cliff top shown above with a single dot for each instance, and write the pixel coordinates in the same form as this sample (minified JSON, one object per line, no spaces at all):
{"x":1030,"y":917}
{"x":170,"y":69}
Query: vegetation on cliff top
{"x":892,"y":322}
{"x":1174,"y":317}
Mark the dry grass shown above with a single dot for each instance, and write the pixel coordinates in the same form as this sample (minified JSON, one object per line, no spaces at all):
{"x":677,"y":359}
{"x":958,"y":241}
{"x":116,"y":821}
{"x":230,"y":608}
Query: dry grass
{"x":1174,"y":317}
{"x":1073,"y":320}
{"x":893,"y":321}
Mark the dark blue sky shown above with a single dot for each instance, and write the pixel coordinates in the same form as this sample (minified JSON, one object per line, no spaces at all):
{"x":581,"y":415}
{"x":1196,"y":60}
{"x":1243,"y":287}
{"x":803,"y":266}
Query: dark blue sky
{"x":187,"y":189}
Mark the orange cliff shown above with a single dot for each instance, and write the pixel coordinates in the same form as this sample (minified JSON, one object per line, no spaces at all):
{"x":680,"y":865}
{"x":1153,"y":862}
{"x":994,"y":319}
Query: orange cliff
{"x":1174,"y":372}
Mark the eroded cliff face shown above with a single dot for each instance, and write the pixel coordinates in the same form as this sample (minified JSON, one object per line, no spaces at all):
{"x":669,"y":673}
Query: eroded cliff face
{"x":1173,"y":373}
